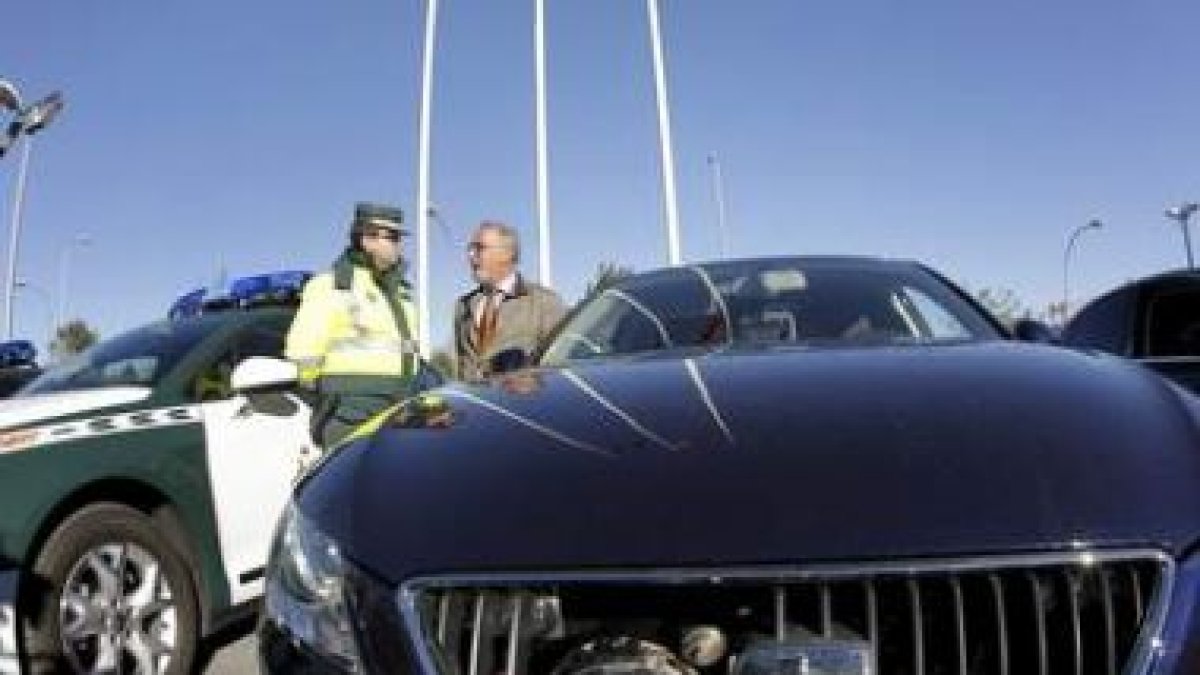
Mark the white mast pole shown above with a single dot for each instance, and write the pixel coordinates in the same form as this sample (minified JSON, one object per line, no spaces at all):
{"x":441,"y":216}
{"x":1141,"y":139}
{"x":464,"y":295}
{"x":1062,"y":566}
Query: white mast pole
{"x":423,"y":181}
{"x":543,"y":192}
{"x":664,"y":133}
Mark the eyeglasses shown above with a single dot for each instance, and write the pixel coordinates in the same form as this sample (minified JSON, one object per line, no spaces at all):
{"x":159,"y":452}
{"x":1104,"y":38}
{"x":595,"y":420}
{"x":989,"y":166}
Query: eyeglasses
{"x":476,"y":247}
{"x":390,"y":235}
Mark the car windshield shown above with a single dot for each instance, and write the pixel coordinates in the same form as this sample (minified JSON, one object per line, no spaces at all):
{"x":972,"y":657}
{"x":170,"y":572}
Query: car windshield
{"x":808,"y":303}
{"x":140,"y":357}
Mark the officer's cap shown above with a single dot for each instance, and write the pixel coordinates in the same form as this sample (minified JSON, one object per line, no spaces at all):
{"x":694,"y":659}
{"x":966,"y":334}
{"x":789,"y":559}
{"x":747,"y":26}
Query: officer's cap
{"x":368,"y":214}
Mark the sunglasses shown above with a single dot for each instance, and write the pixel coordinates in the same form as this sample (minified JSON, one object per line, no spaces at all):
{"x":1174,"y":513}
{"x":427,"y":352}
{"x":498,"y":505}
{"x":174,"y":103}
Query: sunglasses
{"x":390,"y":235}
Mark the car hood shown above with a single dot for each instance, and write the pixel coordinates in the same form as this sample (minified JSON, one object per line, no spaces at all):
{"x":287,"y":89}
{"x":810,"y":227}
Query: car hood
{"x":24,"y":410}
{"x":778,"y":457}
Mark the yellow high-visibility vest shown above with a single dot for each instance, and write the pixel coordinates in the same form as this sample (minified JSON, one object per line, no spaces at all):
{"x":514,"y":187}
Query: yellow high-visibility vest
{"x":351,"y":332}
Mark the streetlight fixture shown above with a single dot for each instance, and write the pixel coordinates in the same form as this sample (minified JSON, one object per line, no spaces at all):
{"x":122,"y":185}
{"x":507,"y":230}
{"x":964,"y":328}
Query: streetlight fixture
{"x":64,"y":264}
{"x":29,"y":121}
{"x":10,"y":99}
{"x":1182,"y":214}
{"x":434,"y":212}
{"x":1093,"y":224}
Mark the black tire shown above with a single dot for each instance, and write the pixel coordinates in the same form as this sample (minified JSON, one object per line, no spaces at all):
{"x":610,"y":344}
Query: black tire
{"x":98,"y":530}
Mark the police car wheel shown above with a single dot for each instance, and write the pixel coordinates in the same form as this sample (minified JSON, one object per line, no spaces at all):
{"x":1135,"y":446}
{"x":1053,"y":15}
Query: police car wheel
{"x":112,"y":595}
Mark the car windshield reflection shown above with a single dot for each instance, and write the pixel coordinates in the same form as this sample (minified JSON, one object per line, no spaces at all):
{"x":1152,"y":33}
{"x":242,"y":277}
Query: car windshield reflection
{"x":805,"y":302}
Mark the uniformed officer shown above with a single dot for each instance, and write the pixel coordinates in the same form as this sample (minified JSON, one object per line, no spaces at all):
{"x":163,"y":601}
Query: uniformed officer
{"x":353,"y":337}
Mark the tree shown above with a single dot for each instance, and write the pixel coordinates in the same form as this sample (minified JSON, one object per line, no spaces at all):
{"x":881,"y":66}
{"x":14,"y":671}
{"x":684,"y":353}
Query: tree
{"x":71,"y":338}
{"x":442,"y":361}
{"x":607,"y":275}
{"x":1003,"y":304}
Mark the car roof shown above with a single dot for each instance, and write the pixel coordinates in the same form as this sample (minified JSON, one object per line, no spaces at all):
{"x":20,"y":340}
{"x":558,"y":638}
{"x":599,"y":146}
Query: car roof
{"x":842,"y":261}
{"x":1169,"y":278}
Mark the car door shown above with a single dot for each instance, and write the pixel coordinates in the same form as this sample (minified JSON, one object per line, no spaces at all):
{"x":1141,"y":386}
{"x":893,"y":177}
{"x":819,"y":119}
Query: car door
{"x":253,"y":456}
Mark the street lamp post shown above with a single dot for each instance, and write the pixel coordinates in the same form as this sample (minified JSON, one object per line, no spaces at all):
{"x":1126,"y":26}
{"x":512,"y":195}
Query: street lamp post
{"x":1093,"y":224}
{"x":1182,"y":214}
{"x":29,"y":121}
{"x":14,"y":236}
{"x":64,"y":264}
{"x":718,"y":183}
{"x":26,"y":285}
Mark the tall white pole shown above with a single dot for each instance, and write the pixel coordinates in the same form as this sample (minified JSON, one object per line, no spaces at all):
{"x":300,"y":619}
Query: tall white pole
{"x":718,"y":181}
{"x":664,"y":134}
{"x":423,"y":182}
{"x":543,"y":192}
{"x":14,"y":235}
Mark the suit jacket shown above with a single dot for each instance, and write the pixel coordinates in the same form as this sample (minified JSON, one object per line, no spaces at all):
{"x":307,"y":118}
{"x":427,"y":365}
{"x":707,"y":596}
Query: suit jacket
{"x":526,"y":318}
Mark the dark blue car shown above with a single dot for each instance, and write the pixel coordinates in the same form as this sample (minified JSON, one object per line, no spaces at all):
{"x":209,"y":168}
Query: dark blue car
{"x":790,"y":465}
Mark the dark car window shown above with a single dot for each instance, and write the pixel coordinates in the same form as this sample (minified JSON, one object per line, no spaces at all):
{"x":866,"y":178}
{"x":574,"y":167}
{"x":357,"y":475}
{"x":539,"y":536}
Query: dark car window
{"x":13,"y":379}
{"x":212,"y":383}
{"x":764,"y":302}
{"x":614,"y":322}
{"x":1173,"y":324}
{"x":1104,"y":325}
{"x":140,"y":357}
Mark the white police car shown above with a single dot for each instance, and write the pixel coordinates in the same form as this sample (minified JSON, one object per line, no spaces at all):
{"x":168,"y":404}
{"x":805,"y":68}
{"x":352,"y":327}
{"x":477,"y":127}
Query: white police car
{"x":138,"y":490}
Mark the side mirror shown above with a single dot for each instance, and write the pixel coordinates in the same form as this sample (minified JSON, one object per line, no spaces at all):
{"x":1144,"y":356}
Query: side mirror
{"x":1031,"y":330}
{"x":508,"y":360}
{"x":261,"y":373}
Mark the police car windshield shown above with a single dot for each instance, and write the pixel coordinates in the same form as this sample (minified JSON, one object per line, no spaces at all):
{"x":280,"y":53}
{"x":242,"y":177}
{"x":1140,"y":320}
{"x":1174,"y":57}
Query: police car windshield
{"x":141,"y":357}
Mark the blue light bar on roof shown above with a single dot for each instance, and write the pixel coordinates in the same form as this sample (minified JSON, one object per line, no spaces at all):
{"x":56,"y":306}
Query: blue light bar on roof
{"x":247,"y":288}
{"x":188,"y":304}
{"x":17,"y":353}
{"x":276,"y":286}
{"x":259,"y":289}
{"x":293,"y":280}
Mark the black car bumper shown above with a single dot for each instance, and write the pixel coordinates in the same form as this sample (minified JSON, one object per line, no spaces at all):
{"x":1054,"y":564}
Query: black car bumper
{"x":279,"y":653}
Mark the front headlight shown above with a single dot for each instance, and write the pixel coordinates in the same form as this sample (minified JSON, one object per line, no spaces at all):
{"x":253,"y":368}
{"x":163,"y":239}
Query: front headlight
{"x":305,"y":591}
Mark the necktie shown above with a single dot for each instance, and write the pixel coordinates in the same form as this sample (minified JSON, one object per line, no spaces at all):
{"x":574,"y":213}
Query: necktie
{"x":489,"y":317}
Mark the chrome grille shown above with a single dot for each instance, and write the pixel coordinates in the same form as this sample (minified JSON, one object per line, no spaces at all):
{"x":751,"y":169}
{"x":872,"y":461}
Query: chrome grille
{"x":1082,"y":614}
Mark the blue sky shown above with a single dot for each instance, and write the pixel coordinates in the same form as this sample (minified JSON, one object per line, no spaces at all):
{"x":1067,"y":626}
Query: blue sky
{"x":972,"y":136}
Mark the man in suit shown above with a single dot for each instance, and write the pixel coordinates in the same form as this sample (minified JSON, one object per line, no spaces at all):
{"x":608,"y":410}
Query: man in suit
{"x":505,"y":311}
